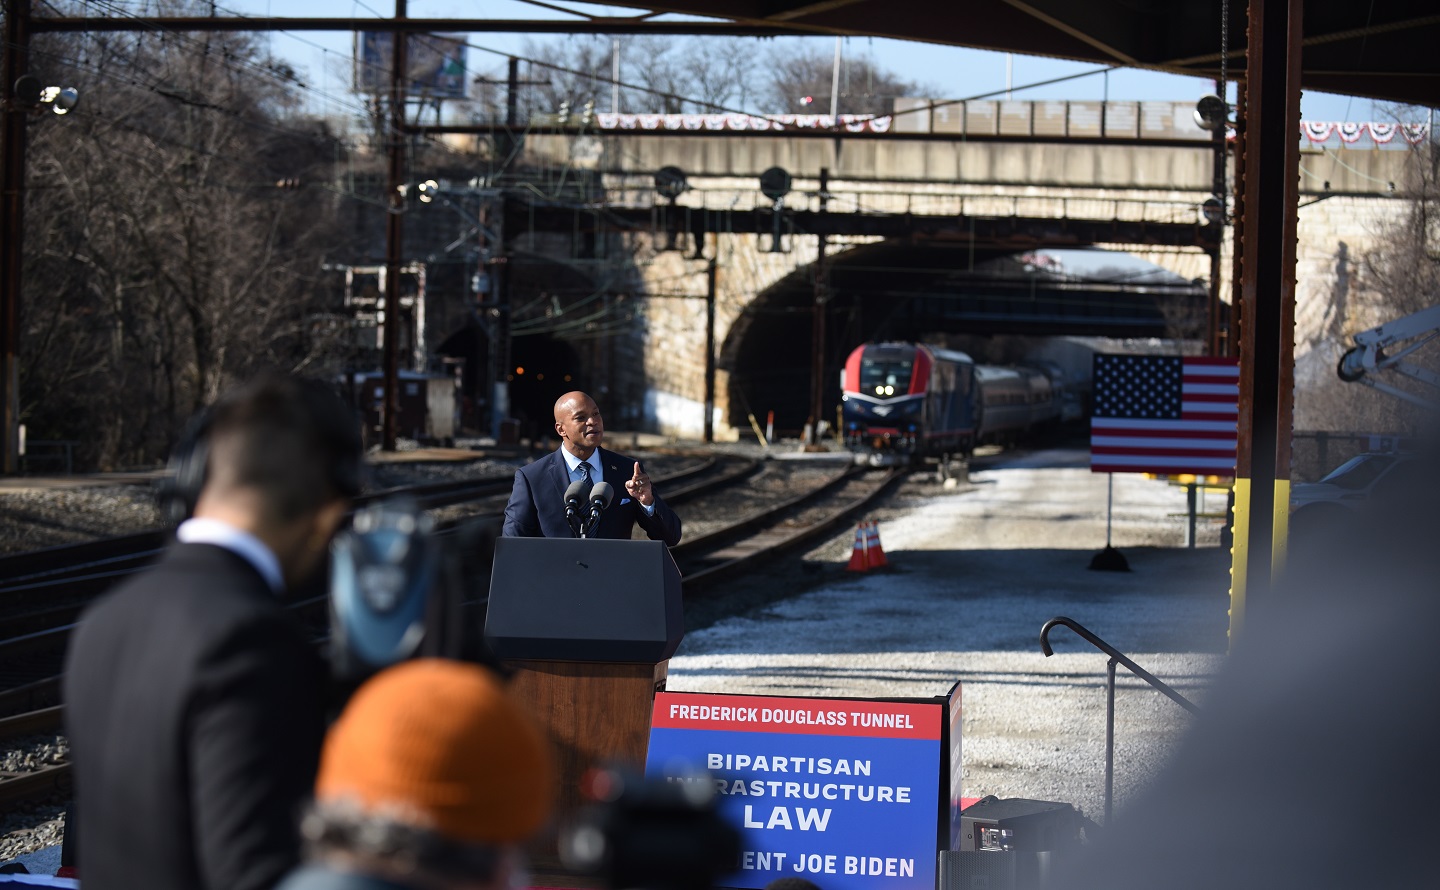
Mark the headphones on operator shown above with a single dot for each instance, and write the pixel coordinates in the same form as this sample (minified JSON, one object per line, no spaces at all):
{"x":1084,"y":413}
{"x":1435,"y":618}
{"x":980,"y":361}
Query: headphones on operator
{"x":179,"y":490}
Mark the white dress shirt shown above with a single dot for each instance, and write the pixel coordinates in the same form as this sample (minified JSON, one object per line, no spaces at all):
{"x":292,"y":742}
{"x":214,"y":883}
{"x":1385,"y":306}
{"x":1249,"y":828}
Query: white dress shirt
{"x":243,"y":544}
{"x":572,"y":463}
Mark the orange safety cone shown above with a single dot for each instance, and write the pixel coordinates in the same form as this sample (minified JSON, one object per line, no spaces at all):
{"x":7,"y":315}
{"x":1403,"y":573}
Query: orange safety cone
{"x":873,"y":551}
{"x":859,"y":561}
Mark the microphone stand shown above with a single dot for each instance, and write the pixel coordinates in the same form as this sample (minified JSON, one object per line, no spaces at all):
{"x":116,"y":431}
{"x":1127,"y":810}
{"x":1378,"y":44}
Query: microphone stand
{"x":573,"y":499}
{"x":600,"y":497}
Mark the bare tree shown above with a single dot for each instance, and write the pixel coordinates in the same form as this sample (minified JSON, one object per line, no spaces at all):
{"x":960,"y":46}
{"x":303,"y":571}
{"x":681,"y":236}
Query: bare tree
{"x":661,"y":74}
{"x":176,"y":229}
{"x":865,"y":88}
{"x":1400,"y":276}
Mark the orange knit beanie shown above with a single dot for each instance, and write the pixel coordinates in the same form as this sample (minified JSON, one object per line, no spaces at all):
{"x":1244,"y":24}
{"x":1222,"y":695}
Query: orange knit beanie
{"x":439,"y":743}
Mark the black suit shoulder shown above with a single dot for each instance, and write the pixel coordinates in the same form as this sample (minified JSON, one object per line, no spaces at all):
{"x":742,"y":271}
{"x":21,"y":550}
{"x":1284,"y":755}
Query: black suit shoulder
{"x":194,"y":707}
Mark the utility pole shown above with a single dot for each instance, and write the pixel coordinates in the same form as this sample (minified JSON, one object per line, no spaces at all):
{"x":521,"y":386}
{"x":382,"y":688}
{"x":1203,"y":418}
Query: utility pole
{"x":710,"y":351}
{"x":500,"y":323}
{"x":394,"y":233}
{"x":12,"y":227}
{"x":1218,"y":144}
{"x":615,"y":75}
{"x":505,"y":145}
{"x":817,"y":323}
{"x":835,"y":84}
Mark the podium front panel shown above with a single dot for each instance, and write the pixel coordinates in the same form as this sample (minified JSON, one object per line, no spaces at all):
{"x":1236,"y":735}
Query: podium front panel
{"x":568,"y":599}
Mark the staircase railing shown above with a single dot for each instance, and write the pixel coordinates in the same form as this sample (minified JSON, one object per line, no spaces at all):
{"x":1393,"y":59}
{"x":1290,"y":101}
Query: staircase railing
{"x":1116,"y":657}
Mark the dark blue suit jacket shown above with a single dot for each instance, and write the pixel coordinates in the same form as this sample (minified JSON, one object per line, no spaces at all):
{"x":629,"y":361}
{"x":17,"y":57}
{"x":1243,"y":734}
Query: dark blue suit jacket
{"x":537,"y":503}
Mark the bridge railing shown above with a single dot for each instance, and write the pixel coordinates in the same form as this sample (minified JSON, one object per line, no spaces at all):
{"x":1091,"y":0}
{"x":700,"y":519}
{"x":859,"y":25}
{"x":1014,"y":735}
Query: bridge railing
{"x":1044,"y":120}
{"x":1096,"y":120}
{"x":639,"y":192}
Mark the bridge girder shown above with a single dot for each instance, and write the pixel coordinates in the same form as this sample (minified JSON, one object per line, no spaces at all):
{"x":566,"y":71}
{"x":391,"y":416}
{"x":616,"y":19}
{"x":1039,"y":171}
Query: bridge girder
{"x":1011,"y":232}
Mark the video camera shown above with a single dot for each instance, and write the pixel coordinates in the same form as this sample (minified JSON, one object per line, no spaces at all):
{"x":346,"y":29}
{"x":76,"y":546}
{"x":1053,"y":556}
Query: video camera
{"x":651,"y":834}
{"x":400,"y":589}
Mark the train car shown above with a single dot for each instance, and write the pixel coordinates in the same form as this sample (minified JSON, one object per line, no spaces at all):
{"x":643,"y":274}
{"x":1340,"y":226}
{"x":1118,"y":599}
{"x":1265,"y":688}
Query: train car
{"x":903,"y":401}
{"x":1014,"y":401}
{"x":1066,"y":397}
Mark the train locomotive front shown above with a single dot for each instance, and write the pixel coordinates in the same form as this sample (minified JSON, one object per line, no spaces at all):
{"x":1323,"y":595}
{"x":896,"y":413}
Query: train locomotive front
{"x":904,"y":401}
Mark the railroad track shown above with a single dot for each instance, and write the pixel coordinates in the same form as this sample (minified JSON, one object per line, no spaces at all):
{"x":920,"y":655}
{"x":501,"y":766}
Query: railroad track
{"x":780,"y":528}
{"x":44,"y":592}
{"x":704,"y":559}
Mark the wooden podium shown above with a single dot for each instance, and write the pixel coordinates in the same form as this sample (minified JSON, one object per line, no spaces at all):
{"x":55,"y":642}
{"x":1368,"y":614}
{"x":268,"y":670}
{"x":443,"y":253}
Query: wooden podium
{"x":595,"y":714}
{"x":589,"y":627}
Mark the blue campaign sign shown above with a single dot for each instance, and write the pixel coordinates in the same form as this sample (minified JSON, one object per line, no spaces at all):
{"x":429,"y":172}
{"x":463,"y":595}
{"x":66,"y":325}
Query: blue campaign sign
{"x":842,"y":792}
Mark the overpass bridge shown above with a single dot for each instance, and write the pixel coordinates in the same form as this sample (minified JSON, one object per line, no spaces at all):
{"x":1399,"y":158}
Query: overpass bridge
{"x":921,"y":225}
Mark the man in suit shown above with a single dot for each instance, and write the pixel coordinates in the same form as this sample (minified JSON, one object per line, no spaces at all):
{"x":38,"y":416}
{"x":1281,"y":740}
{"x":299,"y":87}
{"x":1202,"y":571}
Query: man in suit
{"x":194,"y":701}
{"x":537,"y":502}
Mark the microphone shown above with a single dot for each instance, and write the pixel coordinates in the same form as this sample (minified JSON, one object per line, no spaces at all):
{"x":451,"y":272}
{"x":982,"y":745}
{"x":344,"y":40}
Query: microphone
{"x":600,"y":497}
{"x":573,"y":496}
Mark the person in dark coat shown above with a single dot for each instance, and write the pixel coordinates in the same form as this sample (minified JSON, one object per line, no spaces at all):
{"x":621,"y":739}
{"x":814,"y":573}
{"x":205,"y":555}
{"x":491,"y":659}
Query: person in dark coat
{"x":194,"y":702}
{"x":537,"y":502}
{"x":432,"y":778}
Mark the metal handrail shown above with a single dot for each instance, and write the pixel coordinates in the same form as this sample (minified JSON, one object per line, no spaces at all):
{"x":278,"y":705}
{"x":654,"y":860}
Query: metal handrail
{"x":1116,"y":657}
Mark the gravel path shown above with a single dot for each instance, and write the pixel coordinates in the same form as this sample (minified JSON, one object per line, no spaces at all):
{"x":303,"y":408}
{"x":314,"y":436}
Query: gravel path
{"x":974,"y":574}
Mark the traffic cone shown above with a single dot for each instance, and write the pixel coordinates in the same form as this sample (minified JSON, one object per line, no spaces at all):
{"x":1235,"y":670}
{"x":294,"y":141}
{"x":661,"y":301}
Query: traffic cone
{"x":858,"y":559}
{"x":873,"y":551}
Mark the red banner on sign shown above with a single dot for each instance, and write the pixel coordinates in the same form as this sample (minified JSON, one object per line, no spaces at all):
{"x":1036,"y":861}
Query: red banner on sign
{"x":751,"y":713}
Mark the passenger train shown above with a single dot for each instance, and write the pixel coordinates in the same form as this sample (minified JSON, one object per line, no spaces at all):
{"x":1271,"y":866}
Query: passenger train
{"x":906,"y":401}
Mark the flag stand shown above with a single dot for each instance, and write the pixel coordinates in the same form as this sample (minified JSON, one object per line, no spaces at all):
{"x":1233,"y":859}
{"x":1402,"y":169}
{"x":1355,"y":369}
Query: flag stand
{"x":1109,"y":559}
{"x":1191,"y":514}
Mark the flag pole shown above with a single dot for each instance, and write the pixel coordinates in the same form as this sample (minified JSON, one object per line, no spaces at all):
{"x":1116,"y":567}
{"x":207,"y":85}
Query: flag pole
{"x":1109,"y":559}
{"x":1109,"y":506}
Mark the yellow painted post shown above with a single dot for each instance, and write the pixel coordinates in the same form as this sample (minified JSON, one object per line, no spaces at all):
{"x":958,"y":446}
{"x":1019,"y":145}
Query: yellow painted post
{"x":1281,"y":526}
{"x":1239,"y":551}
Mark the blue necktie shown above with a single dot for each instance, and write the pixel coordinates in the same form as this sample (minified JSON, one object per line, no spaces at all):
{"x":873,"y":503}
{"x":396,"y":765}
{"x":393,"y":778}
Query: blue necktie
{"x":584,"y":469}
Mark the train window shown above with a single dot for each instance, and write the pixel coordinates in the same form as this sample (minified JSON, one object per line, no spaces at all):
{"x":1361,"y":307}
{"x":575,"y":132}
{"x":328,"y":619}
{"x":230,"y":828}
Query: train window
{"x":885,"y":376}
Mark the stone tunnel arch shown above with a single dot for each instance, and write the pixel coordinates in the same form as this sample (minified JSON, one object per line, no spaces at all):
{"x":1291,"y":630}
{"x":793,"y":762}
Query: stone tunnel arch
{"x":902,"y":290}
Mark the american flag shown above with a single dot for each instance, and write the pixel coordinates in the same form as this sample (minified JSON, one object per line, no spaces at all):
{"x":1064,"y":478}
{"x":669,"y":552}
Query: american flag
{"x":1164,"y":414}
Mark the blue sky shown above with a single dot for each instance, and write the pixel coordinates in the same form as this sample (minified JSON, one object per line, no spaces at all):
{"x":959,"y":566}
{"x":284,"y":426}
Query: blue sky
{"x":955,"y":72}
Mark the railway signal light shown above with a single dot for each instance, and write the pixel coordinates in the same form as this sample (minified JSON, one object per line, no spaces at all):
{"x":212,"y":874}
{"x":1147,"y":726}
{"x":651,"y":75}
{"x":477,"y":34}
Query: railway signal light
{"x":287,"y":183}
{"x":775,"y":185}
{"x":670,"y":182}
{"x":28,"y":91}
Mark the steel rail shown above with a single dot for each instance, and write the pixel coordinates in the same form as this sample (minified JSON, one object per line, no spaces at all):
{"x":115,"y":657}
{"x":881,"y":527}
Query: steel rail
{"x":699,"y":578}
{"x":52,"y":639}
{"x":35,"y":783}
{"x":32,"y":722}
